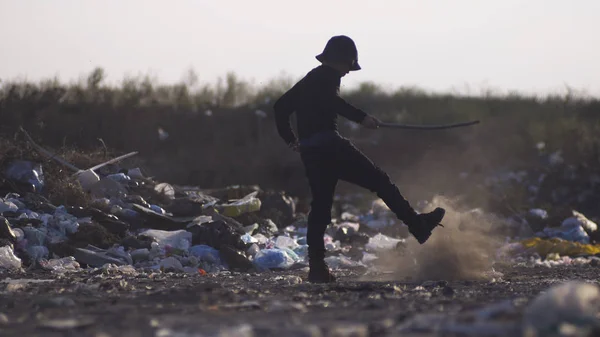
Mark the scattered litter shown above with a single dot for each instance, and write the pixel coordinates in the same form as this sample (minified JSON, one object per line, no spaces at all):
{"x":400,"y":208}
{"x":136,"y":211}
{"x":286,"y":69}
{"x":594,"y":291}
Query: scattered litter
{"x":381,"y":242}
{"x":8,"y":259}
{"x":66,"y":323}
{"x":247,"y":204}
{"x":27,"y":173}
{"x":135,"y":222}
{"x":274,"y":258}
{"x":574,"y":302}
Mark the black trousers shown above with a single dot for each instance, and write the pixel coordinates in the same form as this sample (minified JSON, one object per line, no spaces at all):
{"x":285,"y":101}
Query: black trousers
{"x":338,"y":160}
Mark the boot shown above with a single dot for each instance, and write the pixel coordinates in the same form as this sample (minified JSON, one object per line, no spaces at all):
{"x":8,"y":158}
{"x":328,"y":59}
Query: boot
{"x":319,"y":272}
{"x":421,"y":225}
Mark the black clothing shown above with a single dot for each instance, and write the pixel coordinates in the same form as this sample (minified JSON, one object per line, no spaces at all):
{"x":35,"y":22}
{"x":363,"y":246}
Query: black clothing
{"x":342,"y":49}
{"x":338,"y":159}
{"x":316,"y":101}
{"x":329,"y":157}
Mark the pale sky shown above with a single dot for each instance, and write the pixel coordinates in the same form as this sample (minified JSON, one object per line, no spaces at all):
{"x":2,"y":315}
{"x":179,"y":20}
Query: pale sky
{"x":528,"y":45}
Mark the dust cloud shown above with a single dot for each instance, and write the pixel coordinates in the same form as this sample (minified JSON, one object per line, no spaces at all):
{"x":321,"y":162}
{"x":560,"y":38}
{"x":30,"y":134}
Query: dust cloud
{"x":463,"y":249}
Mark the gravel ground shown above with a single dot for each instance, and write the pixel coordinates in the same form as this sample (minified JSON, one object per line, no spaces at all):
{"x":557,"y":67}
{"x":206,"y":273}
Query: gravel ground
{"x":277,"y":303}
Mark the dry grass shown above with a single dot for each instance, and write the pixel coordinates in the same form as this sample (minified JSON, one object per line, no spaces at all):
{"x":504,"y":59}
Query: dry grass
{"x":59,"y":186}
{"x":234,"y":145}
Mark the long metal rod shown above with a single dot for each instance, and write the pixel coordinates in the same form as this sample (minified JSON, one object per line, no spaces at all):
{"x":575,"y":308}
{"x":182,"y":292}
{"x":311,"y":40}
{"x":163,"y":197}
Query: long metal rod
{"x":427,"y":127}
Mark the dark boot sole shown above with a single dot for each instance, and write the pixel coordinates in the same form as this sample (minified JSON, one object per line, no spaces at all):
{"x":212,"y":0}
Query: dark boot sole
{"x":423,"y":237}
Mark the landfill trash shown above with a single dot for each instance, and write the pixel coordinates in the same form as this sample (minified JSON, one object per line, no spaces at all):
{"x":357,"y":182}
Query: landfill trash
{"x":272,"y":258}
{"x":537,"y":219}
{"x":221,"y":231}
{"x":342,"y":262}
{"x":123,"y":270}
{"x":158,"y":209}
{"x":61,"y":265}
{"x":543,"y":247}
{"x":119,"y":177}
{"x":278,"y":207}
{"x":247,"y":238}
{"x":539,"y":213}
{"x":97,"y":257}
{"x":8,"y":206}
{"x":253,"y":250}
{"x":107,"y":188}
{"x":141,"y":254}
{"x":170,"y":264}
{"x":260,"y":239}
{"x":179,"y":240}
{"x":8,"y":259}
{"x":574,"y":302}
{"x":477,"y":322}
{"x":66,"y":323}
{"x":249,"y":203}
{"x":6,"y":232}
{"x":165,"y":189}
{"x":37,"y":253}
{"x":206,"y":253}
{"x":135,"y":173}
{"x":87,"y":179}
{"x":579,"y":219}
{"x":571,"y":231}
{"x":377,"y":223}
{"x":235,"y":259}
{"x":162,"y":134}
{"x":380,"y":242}
{"x":285,"y":242}
{"x":134,"y":221}
{"x":27,"y":173}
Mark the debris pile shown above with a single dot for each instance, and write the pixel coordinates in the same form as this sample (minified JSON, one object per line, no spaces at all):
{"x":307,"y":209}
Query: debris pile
{"x":133,"y":220}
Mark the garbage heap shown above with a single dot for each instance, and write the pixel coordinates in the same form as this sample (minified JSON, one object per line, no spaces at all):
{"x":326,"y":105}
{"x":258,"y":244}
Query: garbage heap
{"x":133,"y":220}
{"x":549,"y":211}
{"x":130,"y":219}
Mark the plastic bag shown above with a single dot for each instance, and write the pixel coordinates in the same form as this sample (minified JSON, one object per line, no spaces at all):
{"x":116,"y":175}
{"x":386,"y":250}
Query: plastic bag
{"x":8,"y":259}
{"x":381,"y":242}
{"x":273,"y":258}
{"x":247,"y":204}
{"x":61,"y":265}
{"x":165,"y":189}
{"x":562,"y":247}
{"x":119,"y":177}
{"x":179,"y":239}
{"x":8,"y":206}
{"x":285,"y":242}
{"x":341,"y":262}
{"x":570,"y":231}
{"x":206,"y":253}
{"x":26,"y":172}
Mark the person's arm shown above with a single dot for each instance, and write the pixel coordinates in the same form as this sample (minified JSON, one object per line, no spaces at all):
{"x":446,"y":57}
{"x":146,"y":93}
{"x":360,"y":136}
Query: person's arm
{"x":284,"y":107}
{"x":330,"y":98}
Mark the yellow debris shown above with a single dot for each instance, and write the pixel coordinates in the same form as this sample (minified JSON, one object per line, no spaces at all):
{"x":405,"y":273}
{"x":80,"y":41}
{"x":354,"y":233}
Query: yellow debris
{"x":559,"y":246}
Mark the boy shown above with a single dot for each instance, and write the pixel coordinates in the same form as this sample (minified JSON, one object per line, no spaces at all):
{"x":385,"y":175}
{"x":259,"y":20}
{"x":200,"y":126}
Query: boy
{"x":328,"y":157}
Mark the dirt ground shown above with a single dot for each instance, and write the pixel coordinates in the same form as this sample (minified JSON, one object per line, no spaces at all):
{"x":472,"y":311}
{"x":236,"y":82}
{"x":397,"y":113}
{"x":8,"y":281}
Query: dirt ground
{"x":276,"y":303}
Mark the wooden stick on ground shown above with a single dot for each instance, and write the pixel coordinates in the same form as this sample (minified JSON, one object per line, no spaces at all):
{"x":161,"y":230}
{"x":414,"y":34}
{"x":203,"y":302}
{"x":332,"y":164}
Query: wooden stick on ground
{"x":67,"y":164}
{"x":48,"y":153}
